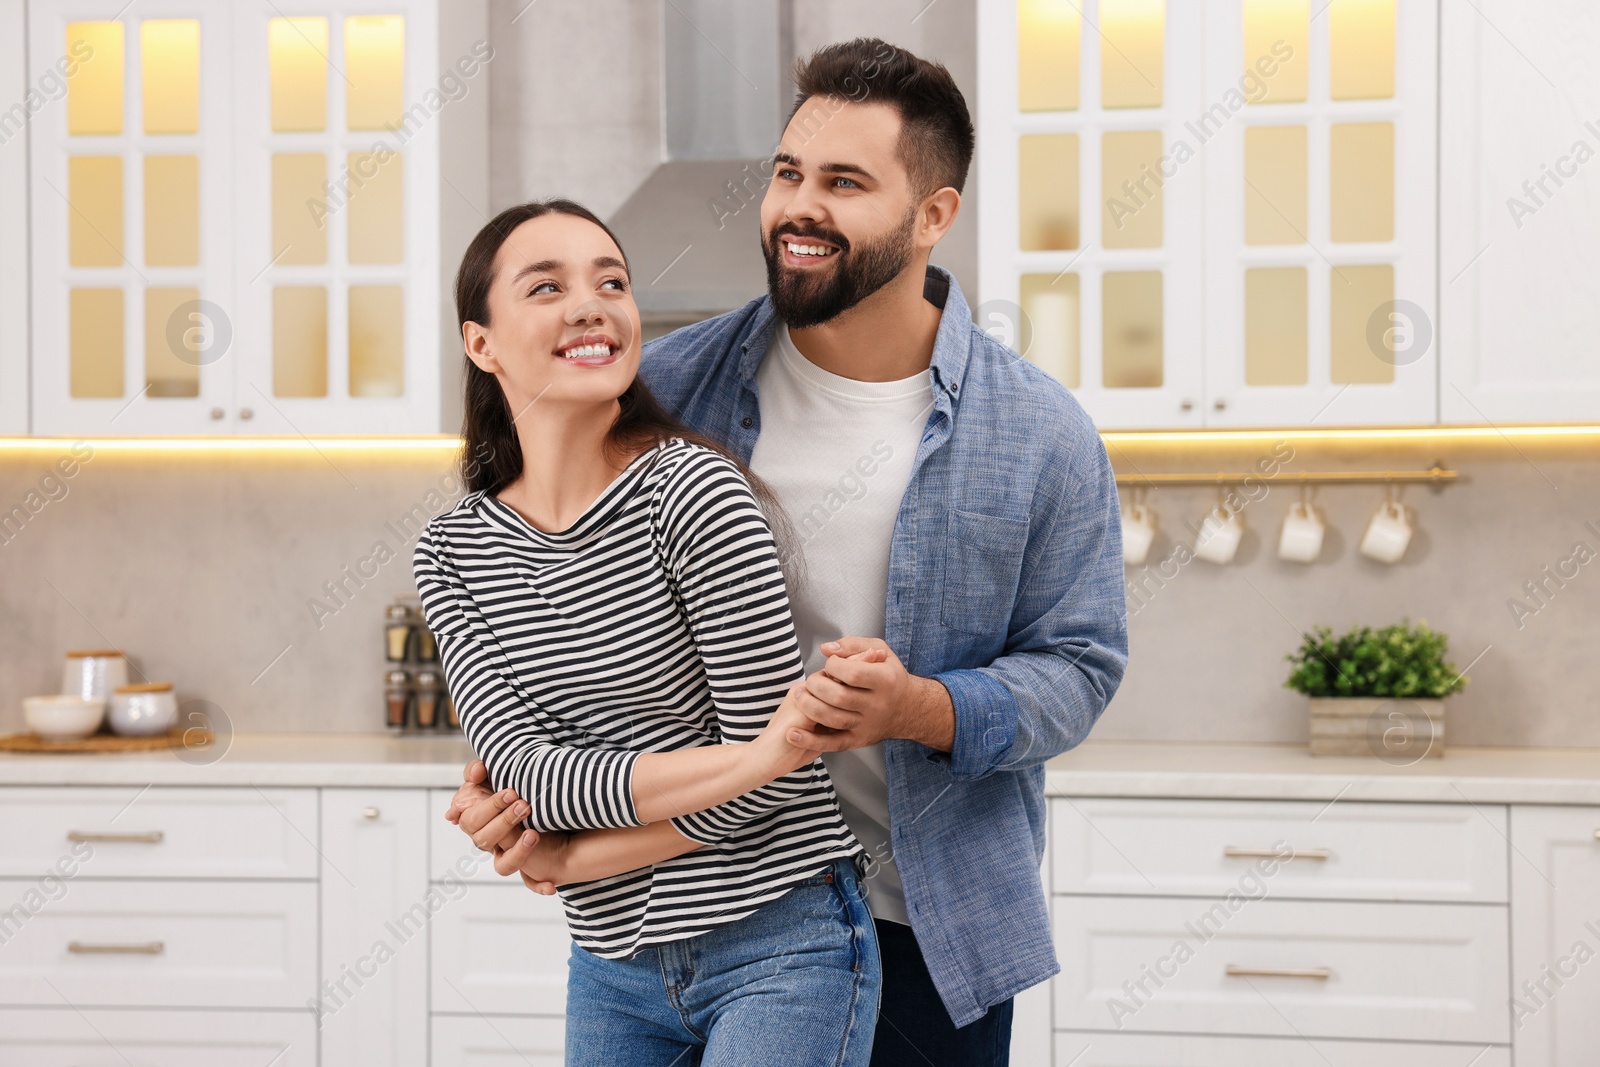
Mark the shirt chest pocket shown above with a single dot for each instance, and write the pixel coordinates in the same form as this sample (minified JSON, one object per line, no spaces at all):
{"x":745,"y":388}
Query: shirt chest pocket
{"x":982,"y":569}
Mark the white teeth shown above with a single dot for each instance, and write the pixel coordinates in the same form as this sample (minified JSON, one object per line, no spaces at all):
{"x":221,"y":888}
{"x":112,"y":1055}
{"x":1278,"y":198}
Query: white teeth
{"x":588,"y":351}
{"x":808,"y":250}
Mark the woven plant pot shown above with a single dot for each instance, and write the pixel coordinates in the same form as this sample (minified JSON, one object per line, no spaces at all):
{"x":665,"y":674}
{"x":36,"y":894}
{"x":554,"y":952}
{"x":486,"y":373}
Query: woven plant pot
{"x":1396,"y":730}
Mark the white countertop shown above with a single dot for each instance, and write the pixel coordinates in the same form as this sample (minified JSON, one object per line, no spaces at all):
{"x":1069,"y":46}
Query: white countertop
{"x":1289,"y":772}
{"x":1097,"y":768}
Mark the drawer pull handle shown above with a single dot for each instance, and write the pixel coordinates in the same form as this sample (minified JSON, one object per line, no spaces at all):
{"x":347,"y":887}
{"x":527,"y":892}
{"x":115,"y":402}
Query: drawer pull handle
{"x":149,"y":948}
{"x":1597,"y":835}
{"x":370,"y":813}
{"x":1235,"y":853}
{"x":1319,"y":973}
{"x":152,"y":837}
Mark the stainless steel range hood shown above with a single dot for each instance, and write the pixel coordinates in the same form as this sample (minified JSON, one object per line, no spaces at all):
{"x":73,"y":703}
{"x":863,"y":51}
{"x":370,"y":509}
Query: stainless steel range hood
{"x":692,"y":228}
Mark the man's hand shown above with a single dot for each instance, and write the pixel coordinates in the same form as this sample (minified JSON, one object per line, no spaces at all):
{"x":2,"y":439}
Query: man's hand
{"x":863,"y":694}
{"x":491,"y":821}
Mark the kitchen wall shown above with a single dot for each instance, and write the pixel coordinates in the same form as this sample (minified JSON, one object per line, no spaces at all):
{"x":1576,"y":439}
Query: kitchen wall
{"x":213,"y":570}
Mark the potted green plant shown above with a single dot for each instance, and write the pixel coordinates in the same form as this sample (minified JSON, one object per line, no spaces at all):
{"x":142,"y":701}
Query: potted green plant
{"x":1378,"y":691}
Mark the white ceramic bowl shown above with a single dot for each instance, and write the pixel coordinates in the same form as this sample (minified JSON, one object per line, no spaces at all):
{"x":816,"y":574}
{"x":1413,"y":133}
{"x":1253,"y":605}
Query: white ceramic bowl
{"x":63,"y":716}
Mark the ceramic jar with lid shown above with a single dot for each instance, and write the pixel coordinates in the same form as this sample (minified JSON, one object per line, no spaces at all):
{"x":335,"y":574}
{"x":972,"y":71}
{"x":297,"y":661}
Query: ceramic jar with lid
{"x":94,"y":673}
{"x":143,"y":709}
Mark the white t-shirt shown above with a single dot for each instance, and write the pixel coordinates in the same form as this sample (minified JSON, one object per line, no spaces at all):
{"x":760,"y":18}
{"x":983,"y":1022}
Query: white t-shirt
{"x":838,"y":453}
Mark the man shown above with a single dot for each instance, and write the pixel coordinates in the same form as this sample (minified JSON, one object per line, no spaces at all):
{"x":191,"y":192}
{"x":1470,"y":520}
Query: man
{"x":953,"y":507}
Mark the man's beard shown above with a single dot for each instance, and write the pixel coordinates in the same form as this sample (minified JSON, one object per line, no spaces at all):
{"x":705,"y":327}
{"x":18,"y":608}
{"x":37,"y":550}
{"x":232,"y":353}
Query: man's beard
{"x":861,"y":270}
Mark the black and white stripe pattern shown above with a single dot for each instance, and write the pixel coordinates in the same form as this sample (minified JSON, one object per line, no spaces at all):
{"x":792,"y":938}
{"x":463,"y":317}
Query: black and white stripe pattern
{"x":659,"y":620}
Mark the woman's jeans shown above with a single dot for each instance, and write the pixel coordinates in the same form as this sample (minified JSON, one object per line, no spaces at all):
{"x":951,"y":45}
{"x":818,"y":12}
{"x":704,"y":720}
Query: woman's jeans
{"x":796,"y":982}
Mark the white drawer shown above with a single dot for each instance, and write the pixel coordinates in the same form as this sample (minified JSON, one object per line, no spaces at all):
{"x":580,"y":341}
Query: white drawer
{"x":61,"y":1037}
{"x":158,"y":832}
{"x":1343,"y":851}
{"x":451,"y":853}
{"x":1403,"y":972}
{"x":221,"y":944}
{"x":1153,"y":1050}
{"x":501,"y":949}
{"x":504,"y":1041}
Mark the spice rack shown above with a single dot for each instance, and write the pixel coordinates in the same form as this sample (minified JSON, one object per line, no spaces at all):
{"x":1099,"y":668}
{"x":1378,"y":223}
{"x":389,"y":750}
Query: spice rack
{"x":415,"y":698}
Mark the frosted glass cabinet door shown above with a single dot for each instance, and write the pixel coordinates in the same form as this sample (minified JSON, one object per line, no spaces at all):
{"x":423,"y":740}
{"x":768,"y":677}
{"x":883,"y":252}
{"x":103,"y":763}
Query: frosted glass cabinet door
{"x":1320,"y":214}
{"x":13,"y":227}
{"x":1520,"y":247}
{"x":131,"y":223}
{"x":1090,"y":257}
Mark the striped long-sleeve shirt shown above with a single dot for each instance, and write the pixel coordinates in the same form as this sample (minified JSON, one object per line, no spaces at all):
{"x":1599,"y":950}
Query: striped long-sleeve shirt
{"x":658,"y":620}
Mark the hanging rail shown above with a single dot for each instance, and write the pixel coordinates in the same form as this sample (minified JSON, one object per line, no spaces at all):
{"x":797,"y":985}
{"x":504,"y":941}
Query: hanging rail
{"x":1437,"y":476}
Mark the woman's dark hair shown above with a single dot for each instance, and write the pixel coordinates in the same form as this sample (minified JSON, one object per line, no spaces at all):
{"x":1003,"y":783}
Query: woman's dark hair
{"x":491,"y":455}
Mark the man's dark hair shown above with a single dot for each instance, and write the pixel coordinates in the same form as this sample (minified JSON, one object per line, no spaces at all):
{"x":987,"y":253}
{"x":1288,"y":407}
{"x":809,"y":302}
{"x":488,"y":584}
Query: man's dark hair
{"x":936,"y":136}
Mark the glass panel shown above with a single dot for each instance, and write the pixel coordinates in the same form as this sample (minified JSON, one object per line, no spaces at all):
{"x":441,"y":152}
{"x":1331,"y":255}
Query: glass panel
{"x":1276,"y":47}
{"x":377,"y":340}
{"x":1275,"y":326}
{"x":1275,"y":185}
{"x":1361,"y":350}
{"x":169,"y":55}
{"x":300,"y":340}
{"x":1047,"y":191}
{"x":374,"y":70}
{"x":1361,"y":49}
{"x":1131,"y":52}
{"x":95,"y":348}
{"x":1130,"y":189}
{"x":1048,"y":38}
{"x":1131,"y":329}
{"x":377,"y":209}
{"x":1050,"y":307}
{"x":94,"y":226}
{"x":94,"y":88}
{"x":298,"y":235}
{"x":298,"y":57}
{"x":1361,"y":182}
{"x":169,"y":368}
{"x":172,"y":211}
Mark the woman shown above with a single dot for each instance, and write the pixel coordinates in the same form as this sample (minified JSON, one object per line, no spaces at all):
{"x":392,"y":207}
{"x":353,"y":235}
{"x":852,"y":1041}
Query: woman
{"x":614,"y":626}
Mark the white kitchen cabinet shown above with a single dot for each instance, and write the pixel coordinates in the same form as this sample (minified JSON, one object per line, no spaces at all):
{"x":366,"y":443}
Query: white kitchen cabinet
{"x":247,"y":222}
{"x":377,"y":911}
{"x":61,"y":1037}
{"x":1145,"y":1050}
{"x":152,"y":943}
{"x":1555,"y":935}
{"x":1518,"y":140}
{"x":21,"y":100}
{"x":503,"y":1041}
{"x":1444,"y":853}
{"x":1213,"y":214}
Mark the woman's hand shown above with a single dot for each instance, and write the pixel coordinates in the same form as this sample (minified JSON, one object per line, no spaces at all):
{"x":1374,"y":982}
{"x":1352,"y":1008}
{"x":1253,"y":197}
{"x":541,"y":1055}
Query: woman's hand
{"x":539,"y":858}
{"x":772,"y":747}
{"x":492,"y":821}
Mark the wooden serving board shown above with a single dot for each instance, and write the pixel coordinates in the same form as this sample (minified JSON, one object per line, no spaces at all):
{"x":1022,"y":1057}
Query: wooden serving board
{"x":106,"y":742}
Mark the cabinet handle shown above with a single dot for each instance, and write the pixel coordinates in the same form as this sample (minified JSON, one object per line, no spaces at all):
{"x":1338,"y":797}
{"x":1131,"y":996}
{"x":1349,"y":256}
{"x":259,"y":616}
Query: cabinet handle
{"x":246,"y":413}
{"x":149,"y":948}
{"x":1321,"y":974}
{"x":1186,"y":404}
{"x":1235,"y":853}
{"x":1219,"y":404}
{"x":151,"y":837}
{"x":1597,"y":835}
{"x":217,"y":413}
{"x":369,"y":813}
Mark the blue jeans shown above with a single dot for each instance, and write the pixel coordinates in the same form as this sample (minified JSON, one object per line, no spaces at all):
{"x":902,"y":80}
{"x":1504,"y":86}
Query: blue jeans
{"x":798,"y":980}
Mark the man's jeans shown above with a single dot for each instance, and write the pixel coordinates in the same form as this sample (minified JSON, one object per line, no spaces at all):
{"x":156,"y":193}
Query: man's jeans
{"x":796,"y":982}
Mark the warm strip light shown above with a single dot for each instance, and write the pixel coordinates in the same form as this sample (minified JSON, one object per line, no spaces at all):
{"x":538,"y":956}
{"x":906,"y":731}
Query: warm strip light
{"x":446,"y":443}
{"x":1373,"y":433}
{"x":235,"y":444}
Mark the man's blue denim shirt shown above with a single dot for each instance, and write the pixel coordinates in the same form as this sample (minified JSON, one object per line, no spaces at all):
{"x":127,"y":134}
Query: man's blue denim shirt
{"x":1005,"y":584}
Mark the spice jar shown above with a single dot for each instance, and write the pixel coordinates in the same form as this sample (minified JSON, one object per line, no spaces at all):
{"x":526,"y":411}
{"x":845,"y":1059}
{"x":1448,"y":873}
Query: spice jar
{"x":427,"y":686}
{"x":398,"y":621}
{"x":396,"y":695}
{"x":427,"y":647}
